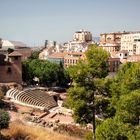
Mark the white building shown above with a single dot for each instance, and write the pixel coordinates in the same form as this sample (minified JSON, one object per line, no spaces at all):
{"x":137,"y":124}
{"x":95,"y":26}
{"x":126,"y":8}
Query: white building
{"x":75,"y":46}
{"x":131,"y":43}
{"x":80,"y":42}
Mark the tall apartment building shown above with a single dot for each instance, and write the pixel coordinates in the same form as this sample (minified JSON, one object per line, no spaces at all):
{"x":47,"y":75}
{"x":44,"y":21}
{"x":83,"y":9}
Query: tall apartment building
{"x":80,"y":42}
{"x":111,"y":42}
{"x":131,"y":43}
{"x":82,"y":36}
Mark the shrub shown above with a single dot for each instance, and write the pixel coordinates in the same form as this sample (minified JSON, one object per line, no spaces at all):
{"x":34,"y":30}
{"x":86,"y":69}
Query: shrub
{"x":71,"y":130}
{"x":4,"y":119}
{"x":88,"y":136}
{"x":3,"y":90}
{"x":20,"y":131}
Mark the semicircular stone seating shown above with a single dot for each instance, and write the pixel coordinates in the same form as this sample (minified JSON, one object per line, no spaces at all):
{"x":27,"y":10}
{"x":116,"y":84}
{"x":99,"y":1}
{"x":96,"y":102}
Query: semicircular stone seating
{"x":32,"y":97}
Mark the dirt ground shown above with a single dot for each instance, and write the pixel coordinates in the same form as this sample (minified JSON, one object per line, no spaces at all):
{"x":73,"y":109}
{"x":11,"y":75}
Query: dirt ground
{"x":22,"y":111}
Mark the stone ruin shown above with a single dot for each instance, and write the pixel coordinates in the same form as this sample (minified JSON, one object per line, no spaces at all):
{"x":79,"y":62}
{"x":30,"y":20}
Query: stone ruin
{"x":32,"y":97}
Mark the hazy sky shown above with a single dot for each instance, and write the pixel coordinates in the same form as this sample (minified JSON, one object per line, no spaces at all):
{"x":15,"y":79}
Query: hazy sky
{"x":33,"y":21}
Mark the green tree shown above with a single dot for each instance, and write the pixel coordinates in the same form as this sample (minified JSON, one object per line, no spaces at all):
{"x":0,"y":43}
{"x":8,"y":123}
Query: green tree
{"x":128,"y":108}
{"x":34,"y":55}
{"x":114,"y":129}
{"x":4,"y":119}
{"x":27,"y":73}
{"x":126,"y":80}
{"x":9,"y":50}
{"x":87,"y":82}
{"x":3,"y":90}
{"x":134,"y":133}
{"x":46,"y":71}
{"x":110,"y":129}
{"x":124,"y":90}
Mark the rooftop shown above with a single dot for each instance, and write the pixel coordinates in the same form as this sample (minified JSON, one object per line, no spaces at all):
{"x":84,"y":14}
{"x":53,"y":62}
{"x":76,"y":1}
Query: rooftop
{"x":58,"y":55}
{"x":15,"y":53}
{"x":62,"y":54}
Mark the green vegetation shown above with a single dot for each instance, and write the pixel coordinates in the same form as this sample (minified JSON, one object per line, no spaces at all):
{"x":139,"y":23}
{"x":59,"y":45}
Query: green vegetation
{"x":46,"y":72}
{"x":4,"y":120}
{"x":34,"y":55}
{"x":88,"y":80}
{"x":128,"y":108}
{"x":116,"y":99}
{"x":88,"y":136}
{"x":9,"y":50}
{"x":2,"y":93}
{"x":125,"y":101}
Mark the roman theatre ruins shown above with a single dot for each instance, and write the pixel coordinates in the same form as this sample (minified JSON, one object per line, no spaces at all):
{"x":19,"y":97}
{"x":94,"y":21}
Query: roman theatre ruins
{"x":32,"y":97}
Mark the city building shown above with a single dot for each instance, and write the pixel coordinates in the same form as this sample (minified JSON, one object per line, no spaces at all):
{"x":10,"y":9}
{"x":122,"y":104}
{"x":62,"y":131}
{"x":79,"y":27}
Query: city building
{"x":133,"y":58}
{"x":80,"y":42}
{"x":111,"y":42}
{"x":56,"y":57}
{"x":113,"y":64}
{"x":82,"y":36}
{"x":50,"y":47}
{"x":72,"y":58}
{"x":131,"y":43}
{"x":66,"y":58}
{"x":74,"y":46}
{"x":122,"y":55}
{"x":11,"y":68}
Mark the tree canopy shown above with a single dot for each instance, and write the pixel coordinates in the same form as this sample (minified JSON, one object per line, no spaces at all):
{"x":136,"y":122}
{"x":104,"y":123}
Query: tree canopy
{"x":47,"y":72}
{"x":124,"y":91}
{"x":4,"y":119}
{"x":87,"y":78}
{"x":117,"y":99}
{"x":128,"y":108}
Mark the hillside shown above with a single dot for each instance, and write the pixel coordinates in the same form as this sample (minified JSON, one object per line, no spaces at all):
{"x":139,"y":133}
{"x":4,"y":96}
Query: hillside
{"x":19,"y":131}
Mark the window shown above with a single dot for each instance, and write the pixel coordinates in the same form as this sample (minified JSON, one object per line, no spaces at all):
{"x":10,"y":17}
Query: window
{"x":73,"y":61}
{"x":125,"y":54}
{"x":9,"y":70}
{"x":16,"y":57}
{"x":109,"y":38}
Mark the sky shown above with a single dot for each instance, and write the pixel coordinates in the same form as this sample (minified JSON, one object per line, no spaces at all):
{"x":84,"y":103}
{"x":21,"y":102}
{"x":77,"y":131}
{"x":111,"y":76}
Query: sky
{"x":34,"y":21}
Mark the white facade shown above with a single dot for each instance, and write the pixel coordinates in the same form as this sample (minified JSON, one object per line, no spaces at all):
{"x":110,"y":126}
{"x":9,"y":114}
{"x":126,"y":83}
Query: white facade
{"x":7,"y":44}
{"x":75,"y":46}
{"x":123,"y":54}
{"x":131,"y":43}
